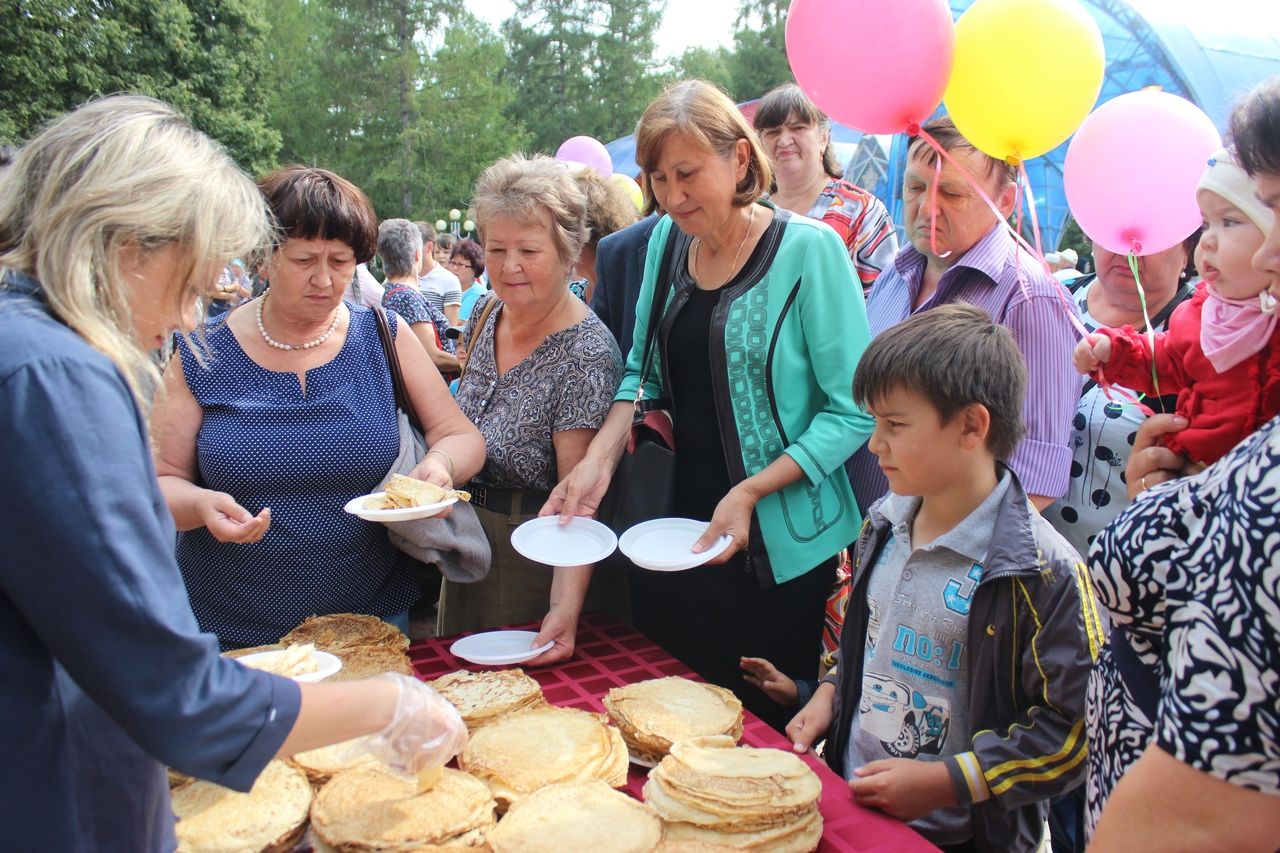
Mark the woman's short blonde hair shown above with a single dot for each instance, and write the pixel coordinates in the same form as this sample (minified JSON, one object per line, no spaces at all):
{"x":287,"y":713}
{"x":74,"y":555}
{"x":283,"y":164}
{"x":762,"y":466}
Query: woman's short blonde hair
{"x":532,"y":189}
{"x":118,"y":171}
{"x":608,"y":207}
{"x":702,"y":113}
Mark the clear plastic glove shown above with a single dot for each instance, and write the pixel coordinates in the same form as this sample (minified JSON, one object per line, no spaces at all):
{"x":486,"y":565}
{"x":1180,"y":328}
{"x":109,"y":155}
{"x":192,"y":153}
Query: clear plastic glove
{"x":425,"y":732}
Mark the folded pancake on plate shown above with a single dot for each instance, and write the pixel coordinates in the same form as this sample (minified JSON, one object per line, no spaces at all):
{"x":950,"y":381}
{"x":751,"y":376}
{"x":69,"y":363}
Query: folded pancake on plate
{"x":370,"y":808}
{"x":337,"y":632}
{"x":402,"y":492}
{"x":523,"y":751}
{"x":253,"y":650}
{"x":324,"y":763}
{"x":271,"y":817}
{"x":291,"y":661}
{"x":482,"y":697}
{"x":709,"y":791}
{"x":368,"y":661}
{"x":577,"y":816}
{"x":654,"y":714}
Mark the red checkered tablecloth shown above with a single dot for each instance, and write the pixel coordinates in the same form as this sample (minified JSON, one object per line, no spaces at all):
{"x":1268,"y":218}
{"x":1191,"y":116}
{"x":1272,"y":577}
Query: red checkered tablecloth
{"x":610,"y":654}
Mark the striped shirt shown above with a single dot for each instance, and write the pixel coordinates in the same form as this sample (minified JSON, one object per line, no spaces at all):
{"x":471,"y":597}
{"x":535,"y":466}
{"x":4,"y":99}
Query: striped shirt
{"x":987,"y":276}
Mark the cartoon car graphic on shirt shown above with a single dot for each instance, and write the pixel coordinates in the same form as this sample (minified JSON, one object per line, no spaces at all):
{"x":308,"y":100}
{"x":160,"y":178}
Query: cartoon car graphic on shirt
{"x":905,"y":721}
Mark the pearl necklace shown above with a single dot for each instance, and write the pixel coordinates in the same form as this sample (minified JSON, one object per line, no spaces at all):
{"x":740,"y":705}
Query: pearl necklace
{"x":287,"y":347}
{"x":697,"y":241}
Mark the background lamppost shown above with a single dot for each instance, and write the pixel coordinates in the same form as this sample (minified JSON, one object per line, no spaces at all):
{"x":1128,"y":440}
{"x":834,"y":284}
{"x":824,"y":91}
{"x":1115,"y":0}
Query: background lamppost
{"x":468,"y":226}
{"x":440,"y":226}
{"x":454,"y":216}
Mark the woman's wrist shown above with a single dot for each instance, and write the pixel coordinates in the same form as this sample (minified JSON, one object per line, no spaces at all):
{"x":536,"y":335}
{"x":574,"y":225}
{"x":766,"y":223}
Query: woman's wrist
{"x":447,"y":461}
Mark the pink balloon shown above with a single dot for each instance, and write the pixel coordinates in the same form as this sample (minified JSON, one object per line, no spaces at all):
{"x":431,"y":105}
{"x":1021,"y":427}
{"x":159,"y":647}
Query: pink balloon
{"x":588,"y":151}
{"x":1132,"y":169}
{"x":892,"y":78}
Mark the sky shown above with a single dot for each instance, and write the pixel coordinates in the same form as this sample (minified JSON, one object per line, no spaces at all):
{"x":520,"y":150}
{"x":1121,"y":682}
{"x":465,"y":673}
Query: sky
{"x":688,"y":23}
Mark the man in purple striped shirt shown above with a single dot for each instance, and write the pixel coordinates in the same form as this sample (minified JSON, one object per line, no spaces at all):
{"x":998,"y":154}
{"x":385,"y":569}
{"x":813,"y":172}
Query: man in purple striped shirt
{"x":973,"y":258}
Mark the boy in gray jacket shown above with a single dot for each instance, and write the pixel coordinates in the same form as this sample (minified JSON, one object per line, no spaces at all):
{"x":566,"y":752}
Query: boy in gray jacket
{"x":958,"y":701}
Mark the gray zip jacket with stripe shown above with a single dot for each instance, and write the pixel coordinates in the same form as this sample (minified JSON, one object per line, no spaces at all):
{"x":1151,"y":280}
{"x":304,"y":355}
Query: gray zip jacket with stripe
{"x":1034,"y":634}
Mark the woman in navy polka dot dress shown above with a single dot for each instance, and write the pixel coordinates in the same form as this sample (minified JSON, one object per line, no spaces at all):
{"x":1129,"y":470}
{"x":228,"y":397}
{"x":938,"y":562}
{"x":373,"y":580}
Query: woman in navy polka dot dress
{"x":292,"y":415}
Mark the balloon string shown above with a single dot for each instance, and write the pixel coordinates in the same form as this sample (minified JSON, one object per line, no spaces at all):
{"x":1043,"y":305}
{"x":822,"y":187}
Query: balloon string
{"x":933,"y":209}
{"x":1146,"y":319}
{"x":943,"y":154}
{"x":1031,"y":208}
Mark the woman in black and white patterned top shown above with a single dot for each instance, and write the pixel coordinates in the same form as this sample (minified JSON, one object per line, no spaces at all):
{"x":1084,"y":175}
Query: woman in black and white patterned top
{"x":1189,"y":571}
{"x":541,"y":373}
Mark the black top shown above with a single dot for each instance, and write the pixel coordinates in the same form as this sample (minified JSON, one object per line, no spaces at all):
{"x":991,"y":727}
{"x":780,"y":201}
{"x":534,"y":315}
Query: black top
{"x":702,"y":477}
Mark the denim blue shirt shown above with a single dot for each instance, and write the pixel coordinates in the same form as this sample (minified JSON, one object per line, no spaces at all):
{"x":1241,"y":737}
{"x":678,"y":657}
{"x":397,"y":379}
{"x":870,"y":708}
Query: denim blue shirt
{"x":104,"y":676}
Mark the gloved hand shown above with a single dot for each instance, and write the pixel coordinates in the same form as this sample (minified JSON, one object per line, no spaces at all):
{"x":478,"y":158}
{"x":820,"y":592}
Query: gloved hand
{"x":425,"y":732}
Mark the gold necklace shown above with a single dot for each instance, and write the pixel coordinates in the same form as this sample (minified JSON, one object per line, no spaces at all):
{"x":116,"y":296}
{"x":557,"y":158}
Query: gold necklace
{"x":697,"y":241}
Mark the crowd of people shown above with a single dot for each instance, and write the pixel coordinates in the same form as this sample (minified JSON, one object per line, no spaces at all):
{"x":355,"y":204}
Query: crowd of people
{"x":1063,"y":592}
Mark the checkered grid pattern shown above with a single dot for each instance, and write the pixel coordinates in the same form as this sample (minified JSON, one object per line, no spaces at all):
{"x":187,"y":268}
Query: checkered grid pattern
{"x":610,"y":654}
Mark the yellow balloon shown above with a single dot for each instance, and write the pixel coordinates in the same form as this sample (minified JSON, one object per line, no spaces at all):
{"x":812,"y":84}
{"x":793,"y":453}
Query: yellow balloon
{"x":630,"y":187}
{"x":1026,"y":74}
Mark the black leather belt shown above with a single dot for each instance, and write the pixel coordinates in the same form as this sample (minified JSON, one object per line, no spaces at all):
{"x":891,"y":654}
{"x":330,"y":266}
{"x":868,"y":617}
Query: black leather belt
{"x":507,"y":501}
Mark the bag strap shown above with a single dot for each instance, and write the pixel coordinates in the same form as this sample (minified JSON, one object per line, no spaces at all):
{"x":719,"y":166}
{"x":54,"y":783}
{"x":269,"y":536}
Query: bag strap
{"x":661,"y":290}
{"x":476,"y":329}
{"x":1184,"y":293}
{"x":393,"y":361}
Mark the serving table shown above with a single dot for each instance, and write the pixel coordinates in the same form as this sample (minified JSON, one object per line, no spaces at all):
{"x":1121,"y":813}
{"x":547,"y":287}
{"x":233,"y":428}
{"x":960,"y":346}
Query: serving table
{"x":610,"y":654}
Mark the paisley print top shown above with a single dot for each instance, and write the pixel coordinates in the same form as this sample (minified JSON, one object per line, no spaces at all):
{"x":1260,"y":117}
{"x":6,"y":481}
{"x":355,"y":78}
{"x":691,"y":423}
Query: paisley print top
{"x":568,"y":382}
{"x":1191,"y":571}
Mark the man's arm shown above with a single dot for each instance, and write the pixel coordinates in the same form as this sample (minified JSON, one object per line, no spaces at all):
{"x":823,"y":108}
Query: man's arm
{"x":1045,"y":336}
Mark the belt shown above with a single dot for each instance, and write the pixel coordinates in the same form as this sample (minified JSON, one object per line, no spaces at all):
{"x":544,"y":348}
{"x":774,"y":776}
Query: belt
{"x":507,"y":501}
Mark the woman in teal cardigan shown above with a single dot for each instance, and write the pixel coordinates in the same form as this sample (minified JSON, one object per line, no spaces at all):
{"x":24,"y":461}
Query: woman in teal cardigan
{"x":762,"y":329}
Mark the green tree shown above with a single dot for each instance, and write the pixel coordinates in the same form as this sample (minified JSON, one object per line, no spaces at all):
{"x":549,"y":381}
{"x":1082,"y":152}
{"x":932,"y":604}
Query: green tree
{"x":713,"y":65}
{"x":464,"y":125}
{"x":297,"y":95}
{"x":581,"y":67}
{"x":205,"y":57}
{"x":759,"y":58}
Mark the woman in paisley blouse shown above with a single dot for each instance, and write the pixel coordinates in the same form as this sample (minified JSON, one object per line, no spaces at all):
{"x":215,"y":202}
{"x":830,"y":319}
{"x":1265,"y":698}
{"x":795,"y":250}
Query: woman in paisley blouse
{"x":540,"y":377}
{"x":1190,"y":575}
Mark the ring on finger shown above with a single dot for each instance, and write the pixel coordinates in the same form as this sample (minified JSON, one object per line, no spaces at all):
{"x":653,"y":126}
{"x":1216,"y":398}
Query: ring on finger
{"x":1142,"y":481}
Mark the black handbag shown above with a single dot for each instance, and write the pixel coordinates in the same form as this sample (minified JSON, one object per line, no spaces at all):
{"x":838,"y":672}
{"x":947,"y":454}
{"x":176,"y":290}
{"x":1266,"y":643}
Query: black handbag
{"x":643,"y":486}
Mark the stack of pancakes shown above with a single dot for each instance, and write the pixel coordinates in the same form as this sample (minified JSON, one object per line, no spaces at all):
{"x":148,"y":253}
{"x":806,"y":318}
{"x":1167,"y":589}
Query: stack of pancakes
{"x":370,"y":808}
{"x":271,"y":817}
{"x":577,"y":816}
{"x":367,"y":645}
{"x":521,"y":752}
{"x":324,"y":763}
{"x":710,"y":792}
{"x":654,"y":714}
{"x":482,"y":697}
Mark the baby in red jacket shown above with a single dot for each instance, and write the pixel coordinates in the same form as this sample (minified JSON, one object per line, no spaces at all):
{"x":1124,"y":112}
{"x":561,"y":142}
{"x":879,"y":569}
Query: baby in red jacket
{"x":1221,"y":355}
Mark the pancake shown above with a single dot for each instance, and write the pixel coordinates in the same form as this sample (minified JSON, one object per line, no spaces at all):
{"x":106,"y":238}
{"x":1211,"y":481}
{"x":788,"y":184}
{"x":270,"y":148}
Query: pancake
{"x":577,"y":816}
{"x":521,"y":752}
{"x":482,"y":697}
{"x":367,"y":661}
{"x":338,"y":632}
{"x":322,"y":764}
{"x":370,"y":808}
{"x":654,"y":714}
{"x":271,"y":817}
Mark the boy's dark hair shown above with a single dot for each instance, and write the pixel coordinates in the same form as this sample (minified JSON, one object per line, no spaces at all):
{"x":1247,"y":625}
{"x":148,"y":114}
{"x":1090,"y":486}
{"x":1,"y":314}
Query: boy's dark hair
{"x":1255,"y":128}
{"x":953,"y":356}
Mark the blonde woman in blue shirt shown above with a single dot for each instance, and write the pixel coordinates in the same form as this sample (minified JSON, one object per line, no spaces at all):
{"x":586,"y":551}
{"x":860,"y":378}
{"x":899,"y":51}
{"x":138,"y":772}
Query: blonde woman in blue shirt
{"x":115,"y":221}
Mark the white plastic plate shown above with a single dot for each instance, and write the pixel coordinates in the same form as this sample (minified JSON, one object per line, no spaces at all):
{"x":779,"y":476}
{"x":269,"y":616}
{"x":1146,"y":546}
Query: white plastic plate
{"x":329,"y":664}
{"x":356,"y":506}
{"x":494,"y":648}
{"x":665,"y":544}
{"x":581,"y":541}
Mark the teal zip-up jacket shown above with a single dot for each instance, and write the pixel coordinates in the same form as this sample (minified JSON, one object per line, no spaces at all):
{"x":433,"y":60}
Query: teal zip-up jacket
{"x":785,"y":340}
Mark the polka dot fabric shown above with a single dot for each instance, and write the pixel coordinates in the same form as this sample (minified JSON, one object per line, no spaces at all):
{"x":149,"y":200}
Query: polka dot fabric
{"x":304,"y":455}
